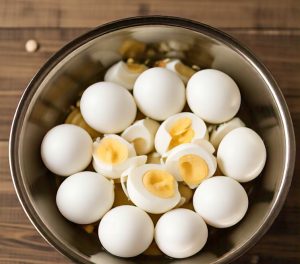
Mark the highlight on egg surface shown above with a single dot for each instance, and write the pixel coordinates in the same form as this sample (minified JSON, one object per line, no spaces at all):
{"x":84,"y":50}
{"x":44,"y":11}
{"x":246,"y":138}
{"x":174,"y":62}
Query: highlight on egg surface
{"x":152,"y":188}
{"x":84,"y":197}
{"x":66,"y":149}
{"x":124,"y":74}
{"x":126,"y":231}
{"x":181,"y":233}
{"x":220,"y":131}
{"x":112,"y":155}
{"x":191,"y":164}
{"x":107,"y":107}
{"x":142,"y":134}
{"x":242,"y":154}
{"x":179,"y":129}
{"x":213,"y":95}
{"x":159,"y":93}
{"x":221,"y":201}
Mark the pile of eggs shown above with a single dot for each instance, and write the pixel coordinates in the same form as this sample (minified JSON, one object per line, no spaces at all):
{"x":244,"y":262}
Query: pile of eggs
{"x":165,"y":136}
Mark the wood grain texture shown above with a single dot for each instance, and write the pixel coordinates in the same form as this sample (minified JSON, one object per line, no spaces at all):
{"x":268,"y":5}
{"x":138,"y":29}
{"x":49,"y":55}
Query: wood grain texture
{"x":90,"y":13}
{"x":271,"y":29}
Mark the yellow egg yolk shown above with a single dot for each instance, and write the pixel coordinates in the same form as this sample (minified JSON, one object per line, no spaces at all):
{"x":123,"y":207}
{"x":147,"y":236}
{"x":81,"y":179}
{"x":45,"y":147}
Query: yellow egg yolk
{"x":193,"y":169}
{"x":159,"y":183}
{"x":136,"y":68}
{"x":181,"y":132}
{"x":112,"y":151}
{"x":184,"y":70}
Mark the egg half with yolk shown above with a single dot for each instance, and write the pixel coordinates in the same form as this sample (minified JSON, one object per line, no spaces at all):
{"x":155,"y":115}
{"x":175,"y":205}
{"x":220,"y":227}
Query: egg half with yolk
{"x":179,"y":129}
{"x":112,"y":155}
{"x":191,"y":163}
{"x":152,"y":188}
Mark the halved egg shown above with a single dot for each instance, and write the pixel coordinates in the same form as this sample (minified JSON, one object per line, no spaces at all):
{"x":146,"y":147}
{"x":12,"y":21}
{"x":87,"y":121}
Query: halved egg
{"x":191,"y":163}
{"x":124,"y":74}
{"x":152,"y":188}
{"x":179,"y":129}
{"x":183,"y":71}
{"x":218,"y":132}
{"x":112,"y":155}
{"x":142,"y":134}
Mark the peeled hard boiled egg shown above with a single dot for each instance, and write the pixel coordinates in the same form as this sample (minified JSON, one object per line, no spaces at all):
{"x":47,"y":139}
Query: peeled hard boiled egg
{"x":219,"y":132}
{"x":124,"y":74}
{"x":181,"y":233}
{"x":85,"y":197}
{"x":66,"y":149}
{"x":112,"y":155}
{"x":152,"y":188}
{"x":107,"y":107}
{"x":213,"y":96}
{"x":142,"y":134}
{"x":191,"y":163}
{"x":126,"y":231}
{"x":159,"y":93}
{"x":242,"y":154}
{"x":179,"y":129}
{"x":221,"y":201}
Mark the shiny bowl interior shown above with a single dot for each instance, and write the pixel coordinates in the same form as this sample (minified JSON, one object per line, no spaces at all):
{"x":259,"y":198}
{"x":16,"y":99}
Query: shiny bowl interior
{"x":57,"y":85}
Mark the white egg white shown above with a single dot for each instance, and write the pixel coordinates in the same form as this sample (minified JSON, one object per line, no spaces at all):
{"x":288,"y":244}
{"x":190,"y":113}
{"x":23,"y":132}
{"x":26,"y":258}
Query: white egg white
{"x":84,"y":197}
{"x":172,"y":160}
{"x":163,"y":138}
{"x":221,"y":201}
{"x":120,"y":73}
{"x":218,"y":132}
{"x":114,"y":171}
{"x":144,"y":199}
{"x":143,"y":130}
{"x":242,"y":154}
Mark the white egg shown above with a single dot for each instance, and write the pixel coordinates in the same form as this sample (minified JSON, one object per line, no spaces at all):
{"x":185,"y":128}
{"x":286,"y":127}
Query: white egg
{"x":66,"y":149}
{"x":159,"y":93}
{"x":221,"y":201}
{"x":242,"y":154}
{"x":113,"y":155}
{"x":85,"y":197}
{"x":142,"y":134}
{"x":124,"y":74}
{"x":191,"y":163}
{"x":126,"y":231}
{"x":182,"y":70}
{"x":152,"y":188}
{"x":220,"y":131}
{"x":181,"y":233}
{"x":179,"y":129}
{"x":213,"y":96}
{"x":107,"y":107}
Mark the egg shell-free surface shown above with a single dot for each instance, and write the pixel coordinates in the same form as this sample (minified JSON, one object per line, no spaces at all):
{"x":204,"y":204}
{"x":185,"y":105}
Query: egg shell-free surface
{"x":66,"y":149}
{"x":143,"y":130}
{"x":221,"y":201}
{"x":219,"y":132}
{"x":181,"y":233}
{"x":114,"y":171}
{"x":159,"y":93}
{"x":85,"y":197}
{"x":126,"y":231}
{"x":213,"y":96}
{"x":107,"y":107}
{"x":163,"y":138}
{"x":144,"y":199}
{"x":242,"y":154}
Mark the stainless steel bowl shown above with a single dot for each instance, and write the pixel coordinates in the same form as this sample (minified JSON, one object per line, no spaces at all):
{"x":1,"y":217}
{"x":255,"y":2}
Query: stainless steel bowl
{"x":56,"y":86}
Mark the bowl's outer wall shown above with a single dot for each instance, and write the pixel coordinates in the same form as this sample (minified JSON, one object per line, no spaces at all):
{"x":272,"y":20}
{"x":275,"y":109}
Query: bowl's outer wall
{"x":58,"y":85}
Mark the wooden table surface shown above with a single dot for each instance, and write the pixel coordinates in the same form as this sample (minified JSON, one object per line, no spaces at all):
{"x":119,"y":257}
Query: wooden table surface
{"x":271,"y":29}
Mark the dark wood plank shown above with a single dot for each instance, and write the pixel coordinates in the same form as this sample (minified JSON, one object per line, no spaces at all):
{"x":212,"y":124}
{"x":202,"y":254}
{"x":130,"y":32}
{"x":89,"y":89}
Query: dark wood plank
{"x":220,"y":13}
